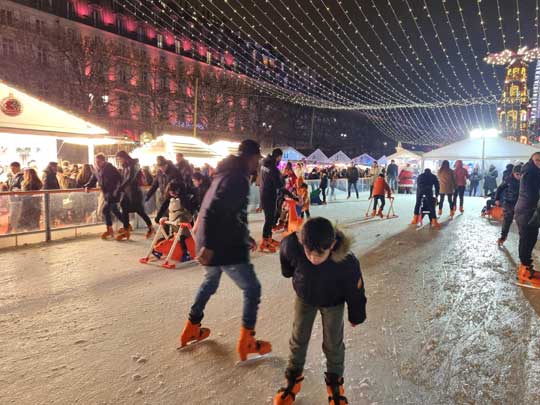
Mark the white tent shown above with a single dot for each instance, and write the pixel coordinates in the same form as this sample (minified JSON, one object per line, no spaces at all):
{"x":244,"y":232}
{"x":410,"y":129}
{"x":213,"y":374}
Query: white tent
{"x":34,"y":132}
{"x":482,"y":151}
{"x":317,"y":157}
{"x":404,"y":156}
{"x":292,"y":155}
{"x":382,"y":161}
{"x":364,"y":159}
{"x":340,"y":158}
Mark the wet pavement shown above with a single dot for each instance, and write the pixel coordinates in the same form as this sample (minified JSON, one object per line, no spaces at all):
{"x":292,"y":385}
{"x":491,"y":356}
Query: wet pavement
{"x":82,"y":321}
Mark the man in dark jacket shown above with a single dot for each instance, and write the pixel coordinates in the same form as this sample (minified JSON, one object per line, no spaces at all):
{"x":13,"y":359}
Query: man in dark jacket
{"x":426,"y":183}
{"x":352,"y":178}
{"x":201,"y":183}
{"x":507,"y":195}
{"x":527,"y":219}
{"x":184,"y":167}
{"x":392,"y":174}
{"x":167,"y":173}
{"x":108,"y":178}
{"x":15,"y":181}
{"x":223,"y":244}
{"x":326,"y":276}
{"x":271,"y":184}
{"x":50,"y":181}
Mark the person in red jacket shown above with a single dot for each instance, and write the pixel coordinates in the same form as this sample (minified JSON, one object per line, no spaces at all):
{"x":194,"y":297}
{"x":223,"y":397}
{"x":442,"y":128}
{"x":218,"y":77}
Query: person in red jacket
{"x":380,"y":186}
{"x":461,"y":175}
{"x":406,"y":179}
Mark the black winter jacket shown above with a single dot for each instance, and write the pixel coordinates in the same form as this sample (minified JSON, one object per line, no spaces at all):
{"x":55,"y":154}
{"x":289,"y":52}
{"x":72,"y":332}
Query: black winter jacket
{"x":529,"y":190}
{"x":15,"y":183}
{"x":132,"y":195}
{"x":108,"y":178}
{"x":426,"y":182}
{"x":162,"y":180}
{"x":508,"y":192}
{"x":392,"y":170}
{"x":334,"y":282}
{"x":223,"y":217}
{"x":352,"y":174}
{"x":490,"y":179}
{"x":271,"y":182}
{"x":50,"y":181}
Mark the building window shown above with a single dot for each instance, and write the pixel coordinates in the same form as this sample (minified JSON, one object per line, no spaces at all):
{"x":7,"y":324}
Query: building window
{"x":163,"y":83}
{"x":209,"y":57}
{"x":123,"y":105}
{"x":119,"y":27}
{"x":160,"y":41}
{"x":177,"y":46}
{"x":140,"y":33}
{"x":6,"y":17}
{"x":8,"y":48}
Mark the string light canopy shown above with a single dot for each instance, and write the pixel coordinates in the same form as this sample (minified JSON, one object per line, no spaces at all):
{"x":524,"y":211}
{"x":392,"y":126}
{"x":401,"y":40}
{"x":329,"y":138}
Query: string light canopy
{"x":417,"y":69}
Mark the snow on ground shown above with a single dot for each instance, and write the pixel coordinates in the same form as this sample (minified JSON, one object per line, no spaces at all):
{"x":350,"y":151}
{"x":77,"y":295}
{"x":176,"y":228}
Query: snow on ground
{"x":82,"y":321}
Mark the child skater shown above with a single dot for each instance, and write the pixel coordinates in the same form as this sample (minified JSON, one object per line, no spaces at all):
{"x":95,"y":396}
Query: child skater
{"x":380,"y":186}
{"x":304,"y":198}
{"x":326,"y":275}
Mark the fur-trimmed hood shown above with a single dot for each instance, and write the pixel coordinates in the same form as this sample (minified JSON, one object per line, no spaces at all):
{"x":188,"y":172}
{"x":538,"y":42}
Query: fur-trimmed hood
{"x":342,"y":248}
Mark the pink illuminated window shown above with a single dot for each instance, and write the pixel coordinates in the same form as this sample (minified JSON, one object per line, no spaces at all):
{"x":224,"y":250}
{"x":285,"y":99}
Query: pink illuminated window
{"x":82,"y":9}
{"x":108,"y":17}
{"x":229,"y":59}
{"x":186,"y":45}
{"x":130,"y":24}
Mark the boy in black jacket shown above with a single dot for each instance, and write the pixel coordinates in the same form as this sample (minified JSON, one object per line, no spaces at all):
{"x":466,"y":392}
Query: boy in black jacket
{"x":326,"y":275}
{"x":508,"y":193}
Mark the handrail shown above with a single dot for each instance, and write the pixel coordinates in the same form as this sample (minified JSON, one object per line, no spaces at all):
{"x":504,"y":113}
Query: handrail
{"x":39,"y":192}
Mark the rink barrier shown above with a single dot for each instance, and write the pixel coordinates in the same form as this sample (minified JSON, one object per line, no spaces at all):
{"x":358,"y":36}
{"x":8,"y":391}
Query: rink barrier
{"x":60,"y":214}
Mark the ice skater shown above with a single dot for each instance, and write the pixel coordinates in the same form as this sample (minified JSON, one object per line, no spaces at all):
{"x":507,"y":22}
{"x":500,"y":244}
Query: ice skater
{"x":223,"y":245}
{"x":507,"y":195}
{"x":528,"y":219}
{"x":326,"y":275}
{"x":461,"y":175}
{"x":380,"y":186}
{"x":426,"y":183}
{"x":447,"y":182}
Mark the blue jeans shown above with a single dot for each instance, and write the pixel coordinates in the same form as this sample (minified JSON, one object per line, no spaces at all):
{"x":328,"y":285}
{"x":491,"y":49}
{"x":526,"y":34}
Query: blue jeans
{"x":244,"y":277}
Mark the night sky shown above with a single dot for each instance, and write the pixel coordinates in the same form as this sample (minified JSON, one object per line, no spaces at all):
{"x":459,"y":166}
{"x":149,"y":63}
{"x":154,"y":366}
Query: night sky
{"x":415,"y":67}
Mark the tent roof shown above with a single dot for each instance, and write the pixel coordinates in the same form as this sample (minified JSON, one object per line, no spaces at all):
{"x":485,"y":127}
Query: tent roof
{"x":40,"y":118}
{"x":404,"y":154}
{"x":318,"y":156}
{"x":471,"y":149}
{"x":340,"y":157}
{"x":364,"y":158}
{"x":290,"y":153}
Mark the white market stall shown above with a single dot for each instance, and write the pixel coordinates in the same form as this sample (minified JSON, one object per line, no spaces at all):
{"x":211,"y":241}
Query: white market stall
{"x":292,"y":155}
{"x":34,"y":132}
{"x":364,"y":159}
{"x":495,"y":151}
{"x":194,"y":150}
{"x":340,"y":159}
{"x":382,"y":161}
{"x":317,"y":157}
{"x":404,"y":156}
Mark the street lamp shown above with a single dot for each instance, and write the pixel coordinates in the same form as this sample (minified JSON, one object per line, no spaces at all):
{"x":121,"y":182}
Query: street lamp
{"x":481,"y":133}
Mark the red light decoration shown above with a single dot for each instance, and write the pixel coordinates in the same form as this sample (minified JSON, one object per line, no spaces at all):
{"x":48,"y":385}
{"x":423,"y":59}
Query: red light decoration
{"x":87,"y":70}
{"x":112,"y":74}
{"x":108,"y":17}
{"x":150,"y":32}
{"x":186,"y":44}
{"x":229,"y":59}
{"x":130,"y":24}
{"x":82,"y":9}
{"x":189,"y":91}
{"x":169,"y":39}
{"x":201,"y":49}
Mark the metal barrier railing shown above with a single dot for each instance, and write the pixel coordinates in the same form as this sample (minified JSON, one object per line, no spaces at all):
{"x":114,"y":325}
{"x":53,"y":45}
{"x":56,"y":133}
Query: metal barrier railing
{"x":47,"y":211}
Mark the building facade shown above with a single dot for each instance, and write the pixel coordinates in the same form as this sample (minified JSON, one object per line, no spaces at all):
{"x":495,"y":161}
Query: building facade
{"x":131,"y":76}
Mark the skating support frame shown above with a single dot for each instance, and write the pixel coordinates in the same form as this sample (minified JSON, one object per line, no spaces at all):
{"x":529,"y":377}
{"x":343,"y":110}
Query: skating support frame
{"x":161,"y":232}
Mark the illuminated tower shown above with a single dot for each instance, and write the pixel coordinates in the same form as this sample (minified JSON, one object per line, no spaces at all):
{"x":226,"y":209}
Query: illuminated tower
{"x":514,"y":108}
{"x":535,"y":113}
